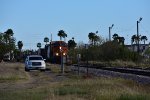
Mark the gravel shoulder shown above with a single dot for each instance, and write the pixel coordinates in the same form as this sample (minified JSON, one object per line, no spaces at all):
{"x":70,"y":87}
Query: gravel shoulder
{"x":104,"y":73}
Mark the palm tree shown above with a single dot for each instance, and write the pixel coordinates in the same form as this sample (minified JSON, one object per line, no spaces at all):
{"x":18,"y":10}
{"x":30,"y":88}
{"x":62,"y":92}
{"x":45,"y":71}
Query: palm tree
{"x":9,"y":40}
{"x":96,"y":39}
{"x":9,"y":32}
{"x":134,"y":38}
{"x":20,"y":45}
{"x":115,"y":37}
{"x":144,"y":38}
{"x":39,"y":45}
{"x":91,"y":37}
{"x":64,"y":36}
{"x":72,"y":38}
{"x":8,"y":35}
{"x":132,"y":41}
{"x":46,"y":39}
{"x":121,"y":40}
{"x":61,"y":34}
{"x":118,"y":39}
{"x":72,"y":44}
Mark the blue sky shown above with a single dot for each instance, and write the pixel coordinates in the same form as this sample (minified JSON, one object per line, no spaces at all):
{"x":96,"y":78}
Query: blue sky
{"x":32,"y":20}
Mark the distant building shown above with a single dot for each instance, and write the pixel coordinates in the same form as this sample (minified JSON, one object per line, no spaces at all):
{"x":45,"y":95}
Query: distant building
{"x":9,"y":56}
{"x":142,"y":47}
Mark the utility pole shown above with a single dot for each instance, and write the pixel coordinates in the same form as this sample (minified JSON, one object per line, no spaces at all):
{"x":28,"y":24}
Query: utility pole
{"x":87,"y":69}
{"x":110,"y":32}
{"x":138,"y":37}
{"x":62,"y":63}
{"x":51,"y":37}
{"x":78,"y":58}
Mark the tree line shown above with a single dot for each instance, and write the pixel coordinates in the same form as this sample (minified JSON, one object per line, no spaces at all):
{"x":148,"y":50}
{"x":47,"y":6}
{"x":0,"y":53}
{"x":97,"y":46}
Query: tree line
{"x":101,"y":49}
{"x":61,"y":34}
{"x":8,"y":46}
{"x":98,"y":47}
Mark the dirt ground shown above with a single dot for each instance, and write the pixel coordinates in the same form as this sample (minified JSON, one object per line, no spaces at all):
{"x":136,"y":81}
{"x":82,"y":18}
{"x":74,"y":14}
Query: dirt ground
{"x":33,"y":79}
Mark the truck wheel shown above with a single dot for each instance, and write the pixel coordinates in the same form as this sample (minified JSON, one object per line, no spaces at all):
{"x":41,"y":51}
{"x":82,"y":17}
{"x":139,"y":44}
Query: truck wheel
{"x":26,"y":69}
{"x":42,"y":70}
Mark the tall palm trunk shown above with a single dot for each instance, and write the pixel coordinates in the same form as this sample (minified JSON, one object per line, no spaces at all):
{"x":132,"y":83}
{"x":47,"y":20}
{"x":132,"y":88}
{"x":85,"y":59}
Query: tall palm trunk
{"x":65,"y":39}
{"x":20,"y":54}
{"x":60,"y":38}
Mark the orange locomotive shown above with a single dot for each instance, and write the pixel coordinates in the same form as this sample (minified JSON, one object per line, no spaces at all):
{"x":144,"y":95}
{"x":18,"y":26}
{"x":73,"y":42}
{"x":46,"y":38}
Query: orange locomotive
{"x":54,"y":51}
{"x":57,"y":50}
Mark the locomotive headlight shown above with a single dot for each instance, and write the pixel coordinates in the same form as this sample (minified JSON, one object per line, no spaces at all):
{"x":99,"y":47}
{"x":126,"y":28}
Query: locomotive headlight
{"x":57,"y":54}
{"x":64,"y":54}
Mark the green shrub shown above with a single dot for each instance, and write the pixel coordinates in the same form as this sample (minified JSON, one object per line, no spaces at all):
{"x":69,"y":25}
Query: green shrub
{"x":108,"y":51}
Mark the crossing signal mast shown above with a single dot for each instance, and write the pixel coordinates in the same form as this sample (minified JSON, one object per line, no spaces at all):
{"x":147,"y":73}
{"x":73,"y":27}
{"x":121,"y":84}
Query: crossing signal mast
{"x":138,"y":36}
{"x":110,"y":31}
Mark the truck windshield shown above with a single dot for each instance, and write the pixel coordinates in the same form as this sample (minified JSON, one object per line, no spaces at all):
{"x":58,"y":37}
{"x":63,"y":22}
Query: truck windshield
{"x":35,"y":58}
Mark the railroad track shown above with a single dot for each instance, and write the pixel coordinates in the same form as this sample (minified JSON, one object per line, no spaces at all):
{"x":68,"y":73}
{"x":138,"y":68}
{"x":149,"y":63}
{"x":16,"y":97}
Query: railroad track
{"x":137,"y":71}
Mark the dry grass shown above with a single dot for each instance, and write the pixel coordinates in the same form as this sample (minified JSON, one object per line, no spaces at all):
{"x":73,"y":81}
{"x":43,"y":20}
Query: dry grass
{"x":55,"y":68}
{"x":84,"y":89}
{"x":12,"y":72}
{"x":74,"y":88}
{"x":120,"y":63}
{"x":104,"y":88}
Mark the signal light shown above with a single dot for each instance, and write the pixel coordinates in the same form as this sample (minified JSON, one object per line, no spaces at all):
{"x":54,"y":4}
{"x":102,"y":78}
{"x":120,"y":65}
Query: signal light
{"x":64,"y":54}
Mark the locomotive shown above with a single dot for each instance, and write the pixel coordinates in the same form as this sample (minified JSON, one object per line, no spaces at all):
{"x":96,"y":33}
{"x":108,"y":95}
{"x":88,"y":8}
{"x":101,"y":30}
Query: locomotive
{"x":54,"y":52}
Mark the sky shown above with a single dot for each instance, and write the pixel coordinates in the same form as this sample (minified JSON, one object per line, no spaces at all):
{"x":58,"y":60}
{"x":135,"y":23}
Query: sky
{"x":32,"y":20}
